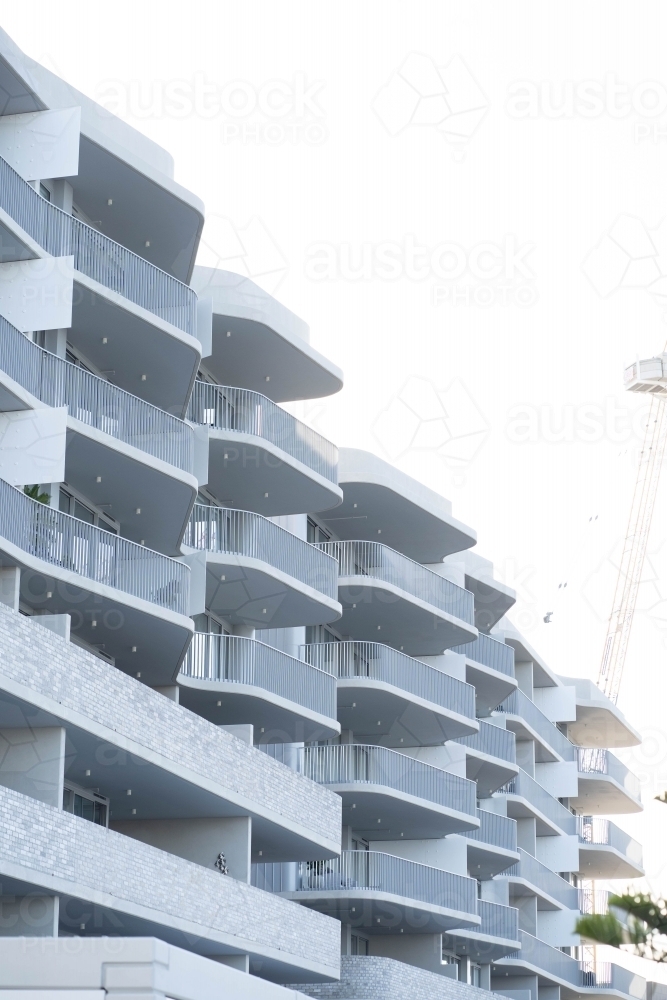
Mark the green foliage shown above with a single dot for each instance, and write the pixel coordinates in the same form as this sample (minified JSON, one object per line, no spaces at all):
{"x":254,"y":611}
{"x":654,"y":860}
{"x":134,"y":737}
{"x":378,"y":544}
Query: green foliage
{"x":34,"y":494}
{"x":645,"y":929}
{"x":603,"y":928}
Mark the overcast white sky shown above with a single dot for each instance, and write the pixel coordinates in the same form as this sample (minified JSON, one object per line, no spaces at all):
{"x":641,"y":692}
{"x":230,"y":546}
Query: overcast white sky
{"x":464,"y":201}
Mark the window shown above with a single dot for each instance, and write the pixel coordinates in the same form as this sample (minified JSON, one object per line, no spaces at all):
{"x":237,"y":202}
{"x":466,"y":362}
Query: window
{"x":475,"y":975}
{"x":88,"y":805}
{"x":70,"y":504}
{"x":320,"y":633}
{"x":358,"y":945}
{"x":453,"y":960}
{"x":206,"y":623}
{"x":44,"y":191}
{"x":315,"y":533}
{"x":359,"y":845}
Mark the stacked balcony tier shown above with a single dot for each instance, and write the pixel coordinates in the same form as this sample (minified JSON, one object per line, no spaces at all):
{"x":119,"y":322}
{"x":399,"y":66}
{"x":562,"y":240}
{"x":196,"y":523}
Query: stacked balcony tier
{"x":377,"y":893}
{"x":605,"y":784}
{"x":605,"y":851}
{"x":229,"y":677}
{"x":393,"y":700}
{"x":259,"y":574}
{"x":389,"y":598}
{"x":490,"y":667}
{"x":490,"y":758}
{"x":387,"y":795}
{"x":496,"y":936}
{"x":529,"y":877}
{"x":525,"y":719}
{"x":261,"y":458}
{"x":492,"y":847}
{"x":527,"y":799}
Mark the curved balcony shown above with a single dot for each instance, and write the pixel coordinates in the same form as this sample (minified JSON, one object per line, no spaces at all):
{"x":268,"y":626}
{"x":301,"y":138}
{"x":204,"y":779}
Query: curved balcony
{"x":490,"y":667}
{"x":526,"y":798}
{"x":490,"y":757}
{"x":144,"y":320}
{"x":229,"y":679}
{"x":496,"y":936}
{"x":538,"y":958}
{"x":605,"y":851}
{"x":262,"y":458}
{"x":605,"y":784}
{"x":143,"y":456}
{"x":390,"y":698}
{"x":387,"y":795}
{"x":377,"y":893}
{"x":259,"y":574}
{"x":387,"y":596}
{"x":129,"y":601}
{"x":492,"y":848}
{"x":529,"y":877}
{"x":525,"y":719}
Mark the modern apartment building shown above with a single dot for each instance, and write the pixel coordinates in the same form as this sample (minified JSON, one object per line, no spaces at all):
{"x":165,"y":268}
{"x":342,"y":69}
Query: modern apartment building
{"x":265,"y":727}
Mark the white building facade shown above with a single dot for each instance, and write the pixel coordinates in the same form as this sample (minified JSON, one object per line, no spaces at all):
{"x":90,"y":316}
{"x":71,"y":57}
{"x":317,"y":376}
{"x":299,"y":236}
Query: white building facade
{"x":265,"y":727}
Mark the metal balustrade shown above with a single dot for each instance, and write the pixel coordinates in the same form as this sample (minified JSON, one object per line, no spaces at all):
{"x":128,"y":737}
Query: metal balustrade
{"x":550,"y":961}
{"x":541,"y":800}
{"x":595,"y":761}
{"x":519,"y":704}
{"x":494,"y":829}
{"x":593,"y":900}
{"x":359,"y":764}
{"x":379,"y":562}
{"x":606,"y":975}
{"x":533,"y":871}
{"x":490,"y":652}
{"x":243,"y":533}
{"x":491,"y":740}
{"x":95,"y":255}
{"x":239,"y":660}
{"x":95,"y":402}
{"x":383,"y":663}
{"x":595,"y":830}
{"x":240,"y":411}
{"x":90,"y":552}
{"x":498,"y":920}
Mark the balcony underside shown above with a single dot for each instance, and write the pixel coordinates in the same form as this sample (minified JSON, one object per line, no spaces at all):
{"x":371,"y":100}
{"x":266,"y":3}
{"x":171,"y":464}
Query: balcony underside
{"x":490,"y":773}
{"x":131,"y":479}
{"x":275,"y":719}
{"x":487,"y":860}
{"x":373,"y":911}
{"x":374,"y":611}
{"x":544,"y":753}
{"x":492,"y":601}
{"x":602,"y":861}
{"x":479,"y":947}
{"x":599,"y":726}
{"x":600,"y":794}
{"x":521,"y":888}
{"x":381,"y":813}
{"x":392,"y":717}
{"x":520,"y":808}
{"x":243,"y":468}
{"x":121,"y":621}
{"x":491,"y":686}
{"x":254,"y":593}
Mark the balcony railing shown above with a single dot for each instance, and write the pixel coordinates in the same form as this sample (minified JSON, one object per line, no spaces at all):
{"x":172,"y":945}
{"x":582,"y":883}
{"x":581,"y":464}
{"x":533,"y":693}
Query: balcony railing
{"x":548,"y":960}
{"x":243,"y":533}
{"x":520,"y":705}
{"x":533,"y":871}
{"x":597,"y":975}
{"x":239,"y":660}
{"x":491,"y":740}
{"x":498,"y":920}
{"x":594,"y":761}
{"x":95,"y":402}
{"x":383,"y":663}
{"x":97,"y":555}
{"x":95,"y":255}
{"x":594,"y":900}
{"x":241,"y":411}
{"x":379,"y":562}
{"x":354,"y":764}
{"x":494,"y":829}
{"x":596,"y":830}
{"x":543,"y":802}
{"x":492,"y":653}
{"x":372,"y":871}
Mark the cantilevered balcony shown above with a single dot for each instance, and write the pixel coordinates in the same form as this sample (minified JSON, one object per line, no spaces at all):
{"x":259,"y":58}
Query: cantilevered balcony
{"x":492,"y":848}
{"x":490,"y":757}
{"x":490,"y":667}
{"x":387,"y":795}
{"x":529,"y":877}
{"x":388,"y":597}
{"x":262,"y":458}
{"x":526,"y":798}
{"x":496,"y":936}
{"x":525,"y":719}
{"x":122,"y":453}
{"x":605,"y":784}
{"x":392,"y":699}
{"x":377,"y":893}
{"x":128,"y":315}
{"x":259,"y":574}
{"x":129,"y":601}
{"x":230,"y":679}
{"x":605,"y":851}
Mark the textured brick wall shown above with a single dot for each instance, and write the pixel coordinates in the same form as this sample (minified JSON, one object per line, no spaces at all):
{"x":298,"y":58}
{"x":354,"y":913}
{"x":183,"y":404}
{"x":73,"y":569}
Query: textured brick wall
{"x":47,"y":843}
{"x":45,"y":663}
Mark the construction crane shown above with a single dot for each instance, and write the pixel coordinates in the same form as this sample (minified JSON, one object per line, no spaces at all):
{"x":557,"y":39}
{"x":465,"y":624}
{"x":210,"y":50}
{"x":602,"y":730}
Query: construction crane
{"x":648,"y":377}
